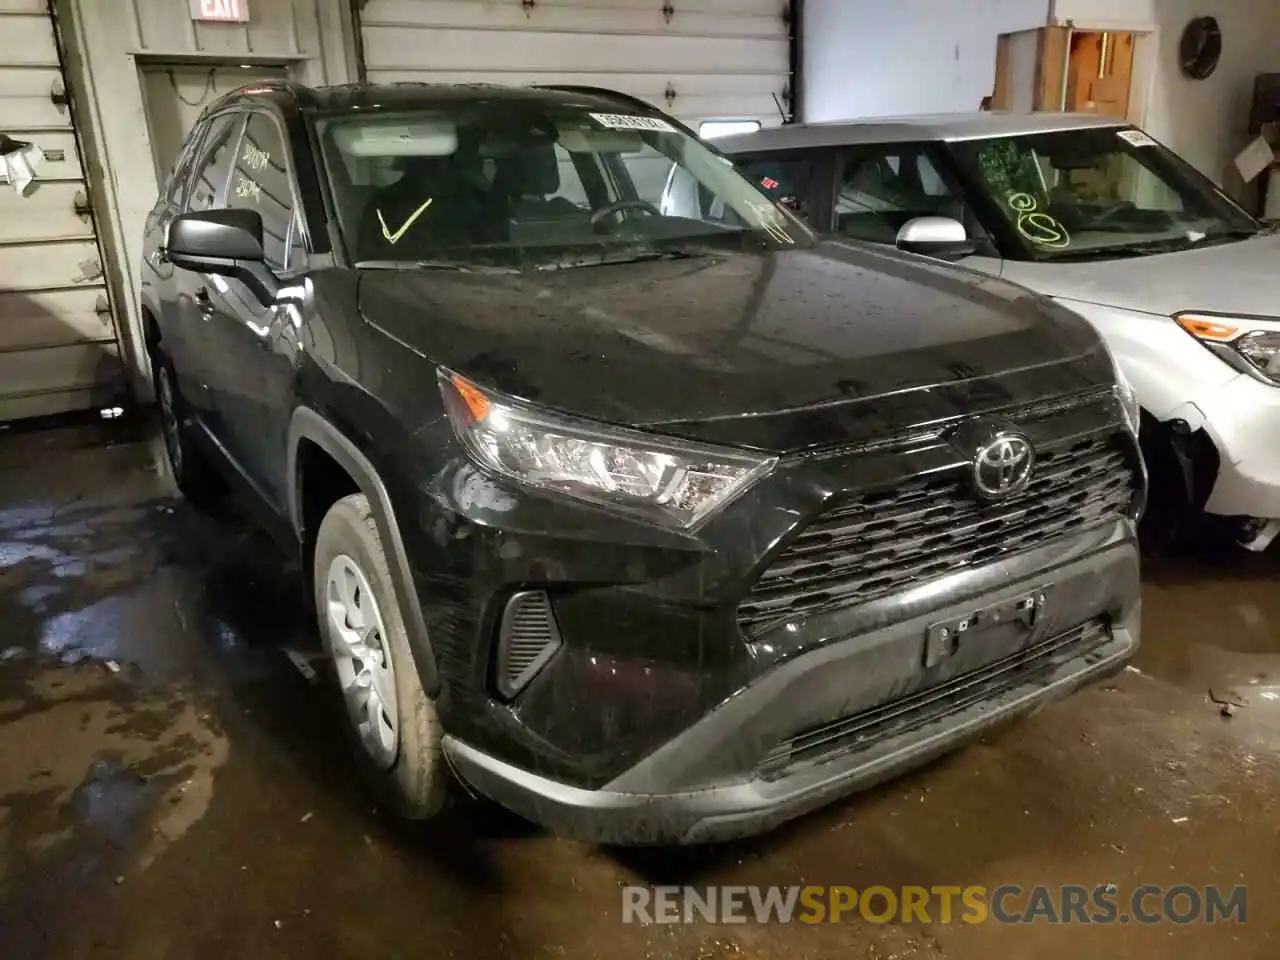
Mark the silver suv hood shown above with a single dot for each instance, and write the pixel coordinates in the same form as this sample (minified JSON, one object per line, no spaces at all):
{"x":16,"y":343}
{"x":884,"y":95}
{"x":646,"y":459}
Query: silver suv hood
{"x":1241,"y":277}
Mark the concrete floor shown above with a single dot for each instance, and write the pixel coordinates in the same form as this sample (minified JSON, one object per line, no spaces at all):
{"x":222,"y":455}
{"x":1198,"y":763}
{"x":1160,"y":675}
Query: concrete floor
{"x":172,"y":786}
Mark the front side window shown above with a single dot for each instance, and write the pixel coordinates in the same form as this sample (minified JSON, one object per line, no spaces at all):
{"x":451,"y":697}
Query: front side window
{"x":214,"y":166}
{"x":1097,"y":193}
{"x":883,"y":186}
{"x":260,"y":181}
{"x":524,"y":183}
{"x":787,"y":180}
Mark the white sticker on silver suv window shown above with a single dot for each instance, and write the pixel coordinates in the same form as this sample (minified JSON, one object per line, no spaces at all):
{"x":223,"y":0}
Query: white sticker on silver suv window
{"x":1135,"y":138}
{"x":631,"y":121}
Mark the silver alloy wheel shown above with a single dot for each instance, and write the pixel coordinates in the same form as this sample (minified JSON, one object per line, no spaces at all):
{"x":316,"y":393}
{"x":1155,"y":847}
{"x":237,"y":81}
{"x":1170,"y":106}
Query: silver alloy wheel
{"x":360,"y":649}
{"x":169,"y":422}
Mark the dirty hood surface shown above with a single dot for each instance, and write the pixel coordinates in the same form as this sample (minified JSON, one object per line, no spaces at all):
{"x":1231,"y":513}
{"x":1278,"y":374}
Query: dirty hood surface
{"x":779,"y":350}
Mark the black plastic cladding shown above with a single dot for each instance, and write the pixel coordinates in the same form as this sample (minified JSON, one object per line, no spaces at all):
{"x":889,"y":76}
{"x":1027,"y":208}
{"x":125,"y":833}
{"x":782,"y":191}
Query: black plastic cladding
{"x":899,"y":717}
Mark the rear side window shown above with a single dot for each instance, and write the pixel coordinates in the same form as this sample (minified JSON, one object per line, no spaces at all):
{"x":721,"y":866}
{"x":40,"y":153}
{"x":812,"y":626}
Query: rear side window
{"x":260,"y":181}
{"x":214,"y":164}
{"x":175,"y":188}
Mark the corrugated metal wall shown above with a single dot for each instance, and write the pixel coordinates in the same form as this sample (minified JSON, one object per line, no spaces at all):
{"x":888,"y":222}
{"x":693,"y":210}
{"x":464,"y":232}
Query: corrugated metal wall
{"x":58,"y":347}
{"x":276,"y":28}
{"x":698,"y":59}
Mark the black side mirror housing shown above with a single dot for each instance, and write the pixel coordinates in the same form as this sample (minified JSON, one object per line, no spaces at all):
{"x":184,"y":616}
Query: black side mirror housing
{"x":225,"y":242}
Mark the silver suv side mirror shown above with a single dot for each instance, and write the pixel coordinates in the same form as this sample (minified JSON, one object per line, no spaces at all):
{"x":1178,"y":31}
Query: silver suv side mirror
{"x":939,"y":237}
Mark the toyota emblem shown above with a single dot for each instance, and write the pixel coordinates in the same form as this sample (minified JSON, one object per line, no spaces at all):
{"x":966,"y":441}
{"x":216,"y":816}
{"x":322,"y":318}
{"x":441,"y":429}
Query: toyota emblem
{"x":1002,"y":465}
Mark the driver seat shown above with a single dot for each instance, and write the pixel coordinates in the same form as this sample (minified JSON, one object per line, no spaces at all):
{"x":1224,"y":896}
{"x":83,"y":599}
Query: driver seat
{"x":526,"y":179}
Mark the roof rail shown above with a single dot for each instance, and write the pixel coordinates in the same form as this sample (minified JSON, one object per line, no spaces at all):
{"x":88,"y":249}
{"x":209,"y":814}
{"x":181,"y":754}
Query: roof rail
{"x":596,"y":91}
{"x":625,"y":98}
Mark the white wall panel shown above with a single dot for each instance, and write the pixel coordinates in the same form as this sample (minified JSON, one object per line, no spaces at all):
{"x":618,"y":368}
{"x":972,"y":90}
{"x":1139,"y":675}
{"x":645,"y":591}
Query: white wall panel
{"x":47,"y":212}
{"x":35,"y":383}
{"x":81,"y":316}
{"x":49,"y":266}
{"x":25,"y":101}
{"x":875,"y":58}
{"x":26,"y":40}
{"x":1207,"y":121}
{"x":715,"y":58}
{"x":57,"y":338}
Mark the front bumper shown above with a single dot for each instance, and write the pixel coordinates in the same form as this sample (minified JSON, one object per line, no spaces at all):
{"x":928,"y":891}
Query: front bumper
{"x":1243,"y":420}
{"x":721,"y":779}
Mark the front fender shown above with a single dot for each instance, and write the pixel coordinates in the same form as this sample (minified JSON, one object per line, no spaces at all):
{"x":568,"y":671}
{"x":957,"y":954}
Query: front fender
{"x":1171,"y":373}
{"x":307,"y":424}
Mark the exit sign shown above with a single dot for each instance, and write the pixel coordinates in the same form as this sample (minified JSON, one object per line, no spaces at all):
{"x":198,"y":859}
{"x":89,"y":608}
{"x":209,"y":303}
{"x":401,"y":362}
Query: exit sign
{"x":220,"y":11}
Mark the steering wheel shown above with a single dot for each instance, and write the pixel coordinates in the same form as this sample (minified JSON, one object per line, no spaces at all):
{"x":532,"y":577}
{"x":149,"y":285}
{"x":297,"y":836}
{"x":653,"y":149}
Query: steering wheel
{"x":620,"y":205}
{"x":1112,"y":213}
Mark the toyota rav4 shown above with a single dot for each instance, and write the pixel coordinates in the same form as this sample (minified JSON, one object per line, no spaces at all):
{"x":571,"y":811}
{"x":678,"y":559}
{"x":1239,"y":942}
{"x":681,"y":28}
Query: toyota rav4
{"x":652,"y":528}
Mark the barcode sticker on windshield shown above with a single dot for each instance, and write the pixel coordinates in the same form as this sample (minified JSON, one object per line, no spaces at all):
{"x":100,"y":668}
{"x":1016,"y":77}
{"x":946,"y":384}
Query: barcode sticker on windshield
{"x":1135,"y":138}
{"x":631,"y":121}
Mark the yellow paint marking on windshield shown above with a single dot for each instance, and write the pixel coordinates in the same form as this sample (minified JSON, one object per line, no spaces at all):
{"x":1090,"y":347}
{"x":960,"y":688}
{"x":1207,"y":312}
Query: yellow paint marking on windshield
{"x":1037,"y":226}
{"x":404,"y":227}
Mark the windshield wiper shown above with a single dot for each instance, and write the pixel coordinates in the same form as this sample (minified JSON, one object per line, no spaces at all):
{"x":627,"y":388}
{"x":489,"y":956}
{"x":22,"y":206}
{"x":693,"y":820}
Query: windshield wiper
{"x":444,"y":265}
{"x":640,"y":256}
{"x":1235,"y":233}
{"x":1123,"y":250}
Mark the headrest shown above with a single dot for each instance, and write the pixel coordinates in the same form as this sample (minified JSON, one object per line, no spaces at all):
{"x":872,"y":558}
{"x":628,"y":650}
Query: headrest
{"x":531,"y":171}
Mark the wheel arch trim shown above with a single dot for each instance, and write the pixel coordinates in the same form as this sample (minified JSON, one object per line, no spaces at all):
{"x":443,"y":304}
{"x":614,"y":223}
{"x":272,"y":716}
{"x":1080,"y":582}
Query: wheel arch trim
{"x":307,"y":424}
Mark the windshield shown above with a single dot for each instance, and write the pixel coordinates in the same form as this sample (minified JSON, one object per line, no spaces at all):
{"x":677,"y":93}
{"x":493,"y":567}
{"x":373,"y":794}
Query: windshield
{"x":1097,"y":193}
{"x":525,"y":183}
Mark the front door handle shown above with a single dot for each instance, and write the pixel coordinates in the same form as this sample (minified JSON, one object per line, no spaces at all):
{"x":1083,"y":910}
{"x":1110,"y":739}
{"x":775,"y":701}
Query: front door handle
{"x":204,"y":303}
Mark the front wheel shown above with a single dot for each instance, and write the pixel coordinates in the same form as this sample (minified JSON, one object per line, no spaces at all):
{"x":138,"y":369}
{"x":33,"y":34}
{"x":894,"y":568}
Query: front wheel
{"x":390,"y":721}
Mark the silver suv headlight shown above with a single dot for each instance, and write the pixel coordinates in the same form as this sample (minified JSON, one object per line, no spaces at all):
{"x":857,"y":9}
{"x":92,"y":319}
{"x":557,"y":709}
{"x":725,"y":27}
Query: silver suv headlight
{"x":669,"y":481}
{"x":1252,"y":346}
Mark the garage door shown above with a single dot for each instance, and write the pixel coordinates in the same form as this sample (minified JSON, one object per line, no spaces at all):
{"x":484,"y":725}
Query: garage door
{"x":697,"y":59}
{"x":58,"y":348}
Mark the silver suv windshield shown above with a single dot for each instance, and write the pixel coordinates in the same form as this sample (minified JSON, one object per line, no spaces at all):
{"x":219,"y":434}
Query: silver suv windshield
{"x":525,"y":182}
{"x":1097,"y":193}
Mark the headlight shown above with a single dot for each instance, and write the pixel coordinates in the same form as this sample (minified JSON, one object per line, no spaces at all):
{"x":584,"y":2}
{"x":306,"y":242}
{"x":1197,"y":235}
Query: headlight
{"x":1251,"y":346}
{"x":672,"y":482}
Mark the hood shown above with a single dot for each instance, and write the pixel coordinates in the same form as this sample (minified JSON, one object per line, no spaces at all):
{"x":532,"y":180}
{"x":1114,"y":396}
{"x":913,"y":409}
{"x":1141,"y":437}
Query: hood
{"x":1241,"y":277}
{"x":776,"y":350}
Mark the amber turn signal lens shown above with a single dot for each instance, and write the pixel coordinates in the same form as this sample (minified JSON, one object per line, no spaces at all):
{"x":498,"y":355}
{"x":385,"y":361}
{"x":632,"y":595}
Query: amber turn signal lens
{"x":477,"y":403}
{"x":1206,"y":328}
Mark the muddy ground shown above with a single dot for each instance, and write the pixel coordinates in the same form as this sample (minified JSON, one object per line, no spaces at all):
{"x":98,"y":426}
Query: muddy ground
{"x":173,"y":785}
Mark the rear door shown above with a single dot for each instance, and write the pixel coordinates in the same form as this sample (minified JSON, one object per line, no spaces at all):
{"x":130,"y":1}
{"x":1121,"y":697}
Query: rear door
{"x":253,"y":346}
{"x":193,"y":299}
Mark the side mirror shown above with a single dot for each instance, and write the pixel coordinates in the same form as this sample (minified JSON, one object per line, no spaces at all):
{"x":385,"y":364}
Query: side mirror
{"x":795,"y":205}
{"x":939,"y":237}
{"x":225,"y":242}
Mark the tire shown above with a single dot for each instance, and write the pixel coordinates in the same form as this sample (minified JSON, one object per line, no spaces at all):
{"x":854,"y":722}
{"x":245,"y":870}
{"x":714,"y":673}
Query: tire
{"x":1170,"y":516}
{"x":193,"y":474}
{"x":410,"y":779}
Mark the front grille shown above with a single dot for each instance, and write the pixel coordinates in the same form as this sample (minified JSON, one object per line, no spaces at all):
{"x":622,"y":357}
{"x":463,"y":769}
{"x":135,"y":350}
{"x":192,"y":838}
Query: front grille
{"x":883,"y":541}
{"x":903,"y":716}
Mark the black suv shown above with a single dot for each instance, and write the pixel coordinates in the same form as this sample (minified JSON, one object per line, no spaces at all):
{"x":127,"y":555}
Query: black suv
{"x":653,"y":528}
